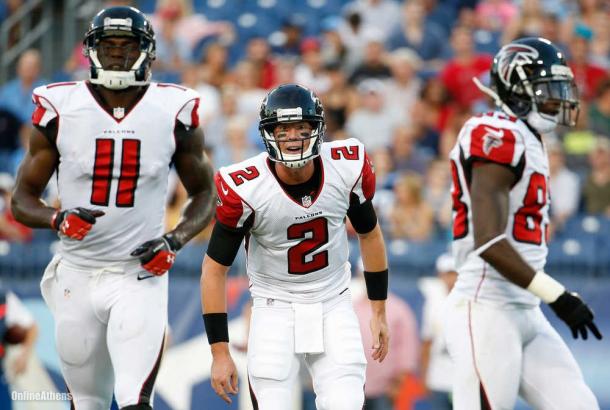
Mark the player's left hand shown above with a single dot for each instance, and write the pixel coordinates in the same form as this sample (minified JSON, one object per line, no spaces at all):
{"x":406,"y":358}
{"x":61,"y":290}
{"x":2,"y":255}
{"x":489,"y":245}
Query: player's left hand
{"x":578,"y":316}
{"x":381,"y":336}
{"x":157,"y":256}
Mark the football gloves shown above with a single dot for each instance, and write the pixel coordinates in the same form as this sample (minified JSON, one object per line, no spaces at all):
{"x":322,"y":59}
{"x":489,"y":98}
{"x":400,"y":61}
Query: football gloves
{"x":75,"y":223}
{"x":158,"y":255}
{"x":570,"y":308}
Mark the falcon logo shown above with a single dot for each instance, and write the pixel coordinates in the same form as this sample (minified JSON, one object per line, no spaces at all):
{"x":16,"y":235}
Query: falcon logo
{"x":511,"y":56}
{"x":493,"y":139}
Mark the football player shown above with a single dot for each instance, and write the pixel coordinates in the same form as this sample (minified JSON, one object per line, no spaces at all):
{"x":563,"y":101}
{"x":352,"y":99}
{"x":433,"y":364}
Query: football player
{"x":290,"y":204}
{"x":111,"y":140}
{"x":500,"y":341}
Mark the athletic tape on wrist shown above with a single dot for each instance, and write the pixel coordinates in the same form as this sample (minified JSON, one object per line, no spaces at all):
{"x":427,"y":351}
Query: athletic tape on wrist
{"x":545,"y":287}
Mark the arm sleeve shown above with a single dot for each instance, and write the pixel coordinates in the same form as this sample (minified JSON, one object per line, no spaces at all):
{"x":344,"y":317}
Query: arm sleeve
{"x":45,"y":117}
{"x":225,"y":242}
{"x":362,"y":215}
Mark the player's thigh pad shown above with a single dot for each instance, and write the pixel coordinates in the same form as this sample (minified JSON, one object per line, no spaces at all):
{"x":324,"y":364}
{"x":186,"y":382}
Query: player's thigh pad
{"x":485,"y":346}
{"x":339,"y":373}
{"x":551,"y":378}
{"x":271,"y":341}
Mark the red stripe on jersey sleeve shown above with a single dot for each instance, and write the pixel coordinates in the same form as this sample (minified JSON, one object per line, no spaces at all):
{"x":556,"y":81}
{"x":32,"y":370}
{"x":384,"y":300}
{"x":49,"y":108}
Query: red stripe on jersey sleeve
{"x":492,"y":143}
{"x":229,"y":209}
{"x":38,"y":111}
{"x":368,"y":178}
{"x":195,"y":114}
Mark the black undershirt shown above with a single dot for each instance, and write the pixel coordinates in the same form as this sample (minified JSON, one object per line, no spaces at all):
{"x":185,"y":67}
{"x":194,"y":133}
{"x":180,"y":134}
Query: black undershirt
{"x":225,"y":241}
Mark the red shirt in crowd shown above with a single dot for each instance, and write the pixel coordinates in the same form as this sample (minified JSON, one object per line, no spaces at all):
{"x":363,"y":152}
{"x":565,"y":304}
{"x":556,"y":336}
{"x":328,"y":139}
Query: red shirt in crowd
{"x":457,"y":78}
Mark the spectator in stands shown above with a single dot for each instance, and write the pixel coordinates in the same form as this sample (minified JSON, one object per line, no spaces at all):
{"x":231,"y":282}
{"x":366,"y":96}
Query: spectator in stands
{"x":385,"y":176}
{"x":436,"y":366}
{"x":333,"y":50}
{"x":249,"y":93}
{"x":335,"y":101}
{"x":564,"y":186}
{"x":16,"y":322}
{"x":372,"y":122}
{"x":290,"y":41}
{"x":410,"y":217}
{"x":214,"y":64}
{"x":373,"y":63}
{"x":599,"y":110}
{"x":10,"y":128}
{"x":284,"y":70}
{"x":215,"y":128}
{"x":434,"y":111}
{"x":10,"y":229}
{"x":587,"y":75}
{"x":16,"y":95}
{"x":585,"y":14}
{"x":173,"y":50}
{"x":597,"y":186}
{"x":258,"y":52}
{"x":236,"y":146}
{"x":498,"y":14}
{"x":310,"y":72}
{"x":384,"y":380}
{"x":380,"y":15}
{"x":403,"y":88}
{"x":437,"y":193}
{"x":353,"y":37}
{"x":527,"y":22}
{"x":406,"y":154}
{"x":465,"y":64}
{"x":414,"y":32}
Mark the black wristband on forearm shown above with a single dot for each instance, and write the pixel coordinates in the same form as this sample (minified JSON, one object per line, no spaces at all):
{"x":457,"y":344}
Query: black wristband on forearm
{"x":376,"y":284}
{"x":216,"y":327}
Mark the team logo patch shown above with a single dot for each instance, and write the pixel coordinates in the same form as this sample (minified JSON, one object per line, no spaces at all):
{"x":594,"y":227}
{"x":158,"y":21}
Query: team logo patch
{"x":493,"y":139}
{"x":511,"y":56}
{"x":118,"y":112}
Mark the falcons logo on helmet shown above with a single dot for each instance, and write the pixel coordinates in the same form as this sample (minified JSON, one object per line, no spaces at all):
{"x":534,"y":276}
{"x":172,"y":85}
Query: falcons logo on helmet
{"x":511,"y":56}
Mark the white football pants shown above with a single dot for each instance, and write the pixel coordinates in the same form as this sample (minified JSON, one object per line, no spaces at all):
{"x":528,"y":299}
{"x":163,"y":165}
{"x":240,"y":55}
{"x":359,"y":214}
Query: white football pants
{"x":338,"y":374}
{"x":109,"y":331}
{"x":500,"y":353}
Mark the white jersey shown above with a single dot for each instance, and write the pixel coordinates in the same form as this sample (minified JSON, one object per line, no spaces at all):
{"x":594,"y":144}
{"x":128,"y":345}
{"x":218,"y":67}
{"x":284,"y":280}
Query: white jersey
{"x":117,"y":164}
{"x":495,"y":137}
{"x":296,"y":252}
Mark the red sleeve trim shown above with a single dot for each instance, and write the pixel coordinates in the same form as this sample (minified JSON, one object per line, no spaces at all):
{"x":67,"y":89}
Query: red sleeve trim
{"x":195,"y":114}
{"x":229,"y":206}
{"x":368,"y":178}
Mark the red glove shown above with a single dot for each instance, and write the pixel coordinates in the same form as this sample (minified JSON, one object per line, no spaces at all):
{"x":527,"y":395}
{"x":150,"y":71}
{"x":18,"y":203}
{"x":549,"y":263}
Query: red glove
{"x":157,"y":256}
{"x":75,"y":223}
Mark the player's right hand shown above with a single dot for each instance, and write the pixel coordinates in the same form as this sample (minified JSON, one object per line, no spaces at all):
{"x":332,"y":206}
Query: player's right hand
{"x":224,"y":376}
{"x":75,"y":223}
{"x":578,"y":316}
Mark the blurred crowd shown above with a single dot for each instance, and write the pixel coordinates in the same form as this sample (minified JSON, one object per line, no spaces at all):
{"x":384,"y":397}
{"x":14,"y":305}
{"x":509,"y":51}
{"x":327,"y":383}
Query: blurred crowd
{"x":396,"y":75}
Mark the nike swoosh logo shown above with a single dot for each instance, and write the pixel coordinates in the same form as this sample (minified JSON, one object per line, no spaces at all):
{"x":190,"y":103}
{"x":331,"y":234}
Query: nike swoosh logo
{"x":224,"y":190}
{"x":145,"y":277}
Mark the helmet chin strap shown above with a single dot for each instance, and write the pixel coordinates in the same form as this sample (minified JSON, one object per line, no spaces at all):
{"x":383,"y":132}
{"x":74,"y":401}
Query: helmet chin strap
{"x":491,"y":93}
{"x":117,"y":80}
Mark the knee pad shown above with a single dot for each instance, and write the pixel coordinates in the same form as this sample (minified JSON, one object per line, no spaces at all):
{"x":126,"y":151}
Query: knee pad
{"x":137,"y":407}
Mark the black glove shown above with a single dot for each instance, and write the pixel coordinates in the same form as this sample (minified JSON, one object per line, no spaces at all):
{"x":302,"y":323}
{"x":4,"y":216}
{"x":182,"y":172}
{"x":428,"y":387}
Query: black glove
{"x":570,"y":308}
{"x":157,"y":256}
{"x":75,"y":223}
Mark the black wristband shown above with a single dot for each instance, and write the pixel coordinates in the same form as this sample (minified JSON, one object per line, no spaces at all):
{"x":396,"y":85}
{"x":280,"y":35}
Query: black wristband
{"x":216,"y":327}
{"x":376,"y":284}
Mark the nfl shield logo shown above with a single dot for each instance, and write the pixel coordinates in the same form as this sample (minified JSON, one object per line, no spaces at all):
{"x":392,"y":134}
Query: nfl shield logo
{"x":306,"y":200}
{"x":118,"y":112}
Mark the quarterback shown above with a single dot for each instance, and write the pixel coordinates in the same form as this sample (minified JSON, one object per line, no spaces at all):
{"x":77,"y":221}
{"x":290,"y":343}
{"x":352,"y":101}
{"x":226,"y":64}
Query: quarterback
{"x":111,"y":141}
{"x":290,"y":204}
{"x":501,"y":343}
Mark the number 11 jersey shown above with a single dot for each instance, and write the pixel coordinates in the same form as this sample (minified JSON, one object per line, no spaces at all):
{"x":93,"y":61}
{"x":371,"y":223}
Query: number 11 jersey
{"x":117,"y":164}
{"x":296,"y":251}
{"x":498,"y":138}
